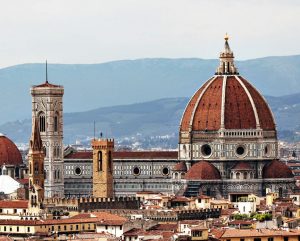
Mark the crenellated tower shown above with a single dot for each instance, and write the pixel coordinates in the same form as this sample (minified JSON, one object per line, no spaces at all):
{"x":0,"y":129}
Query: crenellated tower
{"x":47,"y":108}
{"x":103,"y":168}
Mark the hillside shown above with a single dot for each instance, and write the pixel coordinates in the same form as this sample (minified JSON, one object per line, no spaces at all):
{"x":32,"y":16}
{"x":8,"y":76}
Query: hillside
{"x":154,"y":123}
{"x":131,"y":81}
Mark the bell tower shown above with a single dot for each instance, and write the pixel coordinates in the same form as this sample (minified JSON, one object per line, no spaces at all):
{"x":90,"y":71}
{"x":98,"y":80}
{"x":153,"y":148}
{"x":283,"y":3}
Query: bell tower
{"x":103,"y":168}
{"x":36,"y":170}
{"x":47,"y":109}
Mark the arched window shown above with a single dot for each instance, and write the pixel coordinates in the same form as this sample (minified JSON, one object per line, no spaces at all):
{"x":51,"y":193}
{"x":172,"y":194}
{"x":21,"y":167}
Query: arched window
{"x":56,"y":122}
{"x":245,"y":175}
{"x":100,"y":161}
{"x":237,"y":175}
{"x":30,"y":170}
{"x":42,"y":122}
{"x":58,"y":173}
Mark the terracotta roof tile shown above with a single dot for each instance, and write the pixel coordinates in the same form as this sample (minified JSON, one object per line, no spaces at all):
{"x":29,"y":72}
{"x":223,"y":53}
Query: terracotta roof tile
{"x":14,"y":204}
{"x":232,"y":233}
{"x":180,"y":166}
{"x":203,"y":170}
{"x":277,"y":169}
{"x":238,"y":110}
{"x":242,"y":166}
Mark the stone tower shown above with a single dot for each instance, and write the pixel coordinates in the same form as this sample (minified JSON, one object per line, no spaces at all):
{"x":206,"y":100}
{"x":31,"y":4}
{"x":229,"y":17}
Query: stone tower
{"x":36,"y":169}
{"x":47,"y":108}
{"x":103,"y":168}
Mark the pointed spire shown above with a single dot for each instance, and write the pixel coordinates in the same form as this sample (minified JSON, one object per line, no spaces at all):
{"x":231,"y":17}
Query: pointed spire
{"x":46,"y":72}
{"x":226,"y":66}
{"x":36,"y":140}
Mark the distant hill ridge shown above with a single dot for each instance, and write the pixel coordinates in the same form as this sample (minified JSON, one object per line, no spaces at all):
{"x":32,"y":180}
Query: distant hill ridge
{"x":155,"y":118}
{"x":89,"y":86}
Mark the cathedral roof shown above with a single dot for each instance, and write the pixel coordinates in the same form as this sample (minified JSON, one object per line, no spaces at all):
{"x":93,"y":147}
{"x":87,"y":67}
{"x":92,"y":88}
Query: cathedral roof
{"x":242,"y":166}
{"x":9,"y":153}
{"x":203,"y":170}
{"x":180,"y":166}
{"x":277,"y":169}
{"x":8,"y":185}
{"x":227,"y":101}
{"x":173,"y":155}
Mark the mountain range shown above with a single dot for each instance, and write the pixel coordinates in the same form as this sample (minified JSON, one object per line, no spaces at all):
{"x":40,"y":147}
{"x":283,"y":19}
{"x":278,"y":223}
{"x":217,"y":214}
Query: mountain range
{"x":90,"y":86}
{"x":104,"y":93}
{"x":153,"y":123}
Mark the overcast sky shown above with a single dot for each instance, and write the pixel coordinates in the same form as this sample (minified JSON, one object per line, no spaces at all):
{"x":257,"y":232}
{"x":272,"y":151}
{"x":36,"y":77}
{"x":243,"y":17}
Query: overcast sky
{"x":95,"y":31}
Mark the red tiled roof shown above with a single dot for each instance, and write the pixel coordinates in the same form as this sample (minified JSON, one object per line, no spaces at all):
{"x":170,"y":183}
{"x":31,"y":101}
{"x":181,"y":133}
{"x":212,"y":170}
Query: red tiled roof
{"x":165,"y":226}
{"x":180,"y":199}
{"x":97,"y":217}
{"x":9,"y":153}
{"x":242,"y":222}
{"x":173,"y":155}
{"x":203,"y":170}
{"x":245,"y":233}
{"x":23,"y":181}
{"x":242,"y":166}
{"x":277,"y":169}
{"x":14,"y":204}
{"x":203,"y":111}
{"x":47,"y":84}
{"x":181,"y":167}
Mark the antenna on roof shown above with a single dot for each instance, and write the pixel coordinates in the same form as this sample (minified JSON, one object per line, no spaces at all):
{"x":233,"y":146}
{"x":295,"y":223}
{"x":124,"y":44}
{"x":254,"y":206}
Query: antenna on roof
{"x":46,"y":72}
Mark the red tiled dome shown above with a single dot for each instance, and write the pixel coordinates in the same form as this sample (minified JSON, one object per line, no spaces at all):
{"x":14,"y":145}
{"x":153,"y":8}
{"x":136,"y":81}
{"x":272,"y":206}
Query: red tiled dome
{"x":9,"y":153}
{"x":181,"y":167}
{"x":277,"y":169}
{"x":228,"y":101}
{"x":203,"y":170}
{"x":242,"y":166}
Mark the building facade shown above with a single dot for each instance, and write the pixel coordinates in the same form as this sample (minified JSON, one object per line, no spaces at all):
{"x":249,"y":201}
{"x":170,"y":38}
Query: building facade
{"x":133,"y":171}
{"x":47,"y":108}
{"x":228,"y":139}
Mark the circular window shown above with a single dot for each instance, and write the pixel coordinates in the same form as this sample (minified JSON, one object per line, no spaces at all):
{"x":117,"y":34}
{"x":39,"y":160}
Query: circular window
{"x":136,"y":171}
{"x":78,"y":171}
{"x":206,"y":150}
{"x":165,"y":171}
{"x":240,"y":150}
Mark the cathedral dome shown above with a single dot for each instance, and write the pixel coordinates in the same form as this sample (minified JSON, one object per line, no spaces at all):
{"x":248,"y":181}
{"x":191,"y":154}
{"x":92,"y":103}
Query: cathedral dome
{"x":203,"y":170}
{"x":227,"y":101}
{"x":9,"y":153}
{"x":277,"y":169}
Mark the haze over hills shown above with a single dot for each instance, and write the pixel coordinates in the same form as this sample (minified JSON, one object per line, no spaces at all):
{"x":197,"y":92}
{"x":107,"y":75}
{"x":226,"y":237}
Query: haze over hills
{"x":152,"y":124}
{"x":131,"y":81}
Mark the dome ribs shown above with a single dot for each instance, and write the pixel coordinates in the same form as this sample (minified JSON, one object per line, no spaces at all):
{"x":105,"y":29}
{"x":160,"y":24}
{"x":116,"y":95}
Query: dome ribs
{"x":263,"y":110}
{"x":208,"y":112}
{"x":238,"y":110}
{"x":227,"y":102}
{"x":187,"y":115}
